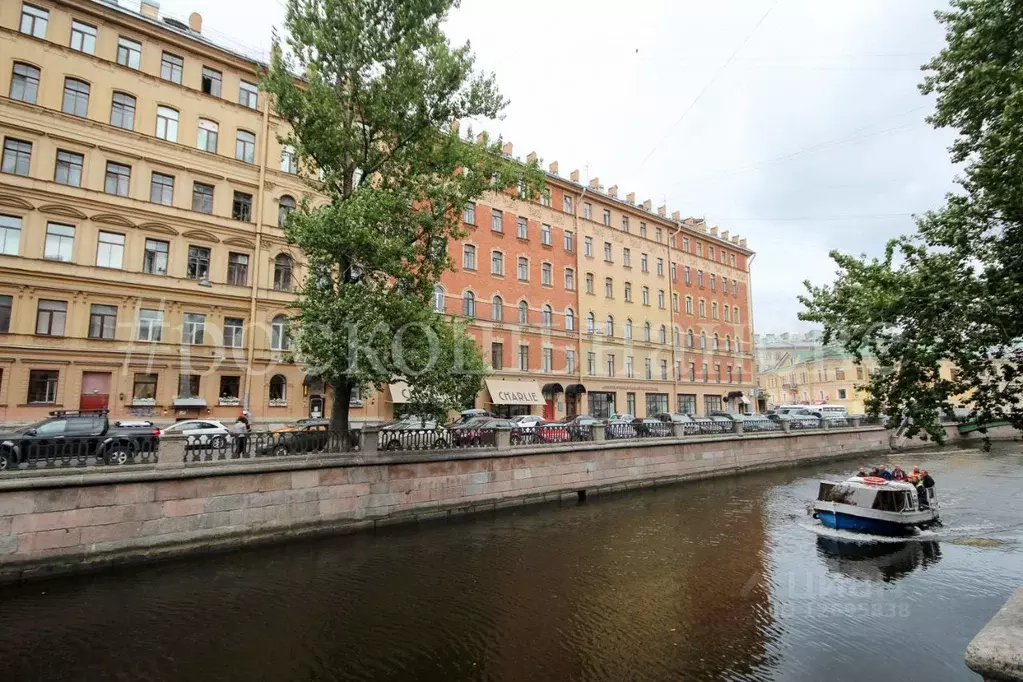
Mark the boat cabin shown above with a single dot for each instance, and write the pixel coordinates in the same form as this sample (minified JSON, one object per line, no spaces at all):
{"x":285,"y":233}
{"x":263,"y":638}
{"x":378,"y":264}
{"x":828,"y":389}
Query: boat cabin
{"x":887,"y":496}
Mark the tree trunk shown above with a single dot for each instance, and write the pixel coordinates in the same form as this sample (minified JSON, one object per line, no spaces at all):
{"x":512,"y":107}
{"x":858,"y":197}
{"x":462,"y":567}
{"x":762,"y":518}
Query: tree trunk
{"x":342,"y":392}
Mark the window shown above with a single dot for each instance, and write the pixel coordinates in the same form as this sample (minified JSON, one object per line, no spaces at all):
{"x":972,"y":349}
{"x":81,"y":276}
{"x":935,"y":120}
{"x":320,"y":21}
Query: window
{"x":69,"y":169}
{"x":646,"y":295}
{"x":642,"y":230}
{"x":545,"y":198}
{"x":245,"y":146}
{"x":282,"y":272}
{"x":692,"y":374}
{"x":589,"y":282}
{"x":731,"y":260}
{"x":607,"y":217}
{"x":25,"y":83}
{"x":710,"y":252}
{"x":289,"y":161}
{"x":706,"y":378}
{"x":569,"y":319}
{"x":522,"y":228}
{"x":237,"y":269}
{"x":144,"y":387}
{"x":547,"y":317}
{"x":241,"y":207}
{"x":192,"y":329}
{"x":280,"y":339}
{"x":685,"y":244}
{"x":588,"y":246}
{"x":76,"y":97}
{"x":735,"y":288}
{"x":469,"y":257}
{"x":628,"y":328}
{"x":724,"y":286}
{"x":42,"y":386}
{"x":629,"y":372}
{"x":206,"y":136}
{"x":150,"y":325}
{"x":676,"y":337}
{"x":83,"y":37}
{"x":660,"y":267}
{"x":122,"y":113}
{"x":161,"y":191}
{"x":689,"y":338}
{"x":842,"y":395}
{"x":703,"y":340}
{"x":154,"y":261}
{"x":646,"y":332}
{"x":10,"y":236}
{"x":738,"y":377}
{"x":717,"y":344}
{"x":591,"y":363}
{"x":728,"y":344}
{"x":686,"y":402}
{"x":211,"y":81}
{"x":569,"y":279}
{"x":110,"y":250}
{"x":524,"y":357}
{"x":625,"y":223}
{"x":198,"y":263}
{"x":171,"y":67}
{"x":626,"y":257}
{"x":523,"y":312}
{"x":660,"y":299}
{"x":497,"y":309}
{"x":118,"y":177}
{"x":202,"y":198}
{"x":609,"y":290}
{"x":545,"y":235}
{"x":102,"y":321}
{"x":547,"y":275}
{"x":644,"y":263}
{"x":659,"y":234}
{"x":497,"y":355}
{"x":51,"y":317}
{"x":285,"y":205}
{"x":839,"y":374}
{"x":664,"y":371}
{"x":699,"y":278}
{"x":717,"y":372}
{"x":662,"y":335}
{"x":607,"y":251}
{"x":656,"y":402}
{"x":496,"y":263}
{"x":248,"y":94}
{"x":699,"y":248}
{"x":588,"y":210}
{"x":628,"y":292}
{"x":523,"y":269}
{"x":547,"y":360}
{"x":703,"y":308}
{"x":469,"y":304}
{"x":60,"y":242}
{"x":17,"y":156}
{"x":438,"y":298}
{"x":569,"y":361}
{"x":688,"y":275}
{"x":674,"y":302}
{"x":496,"y":220}
{"x":33,"y":23}
{"x":129,"y":53}
{"x":713,"y":310}
{"x":566,"y":204}
{"x":610,"y":365}
{"x":167,"y":124}
{"x":674,"y":272}
{"x":469,"y":214}
{"x":569,"y":241}
{"x":230,"y":387}
{"x":648,"y":372}
{"x":609,"y":326}
{"x":590,"y":323}
{"x":713,"y":282}
{"x":188,"y":385}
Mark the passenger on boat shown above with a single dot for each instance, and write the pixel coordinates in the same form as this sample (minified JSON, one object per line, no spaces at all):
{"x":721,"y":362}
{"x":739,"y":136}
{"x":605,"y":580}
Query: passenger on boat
{"x":927,"y":480}
{"x":884,"y":473}
{"x":898,"y":474}
{"x":874,"y":472}
{"x":862,"y":473}
{"x":916,"y":472}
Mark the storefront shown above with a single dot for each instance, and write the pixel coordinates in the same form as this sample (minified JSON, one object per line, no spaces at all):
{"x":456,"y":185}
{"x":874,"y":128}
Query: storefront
{"x":602,"y":404}
{"x":513,"y":398}
{"x":574,"y":399}
{"x":656,"y":403}
{"x":553,"y":400}
{"x":737,"y":402}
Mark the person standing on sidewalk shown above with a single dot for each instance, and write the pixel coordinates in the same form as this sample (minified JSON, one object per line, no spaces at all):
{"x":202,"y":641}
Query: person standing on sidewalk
{"x":241,"y":434}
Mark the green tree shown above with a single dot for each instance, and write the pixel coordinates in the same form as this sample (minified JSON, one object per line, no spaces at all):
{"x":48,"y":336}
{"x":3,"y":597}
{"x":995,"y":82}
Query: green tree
{"x":954,"y":290}
{"x":373,"y":122}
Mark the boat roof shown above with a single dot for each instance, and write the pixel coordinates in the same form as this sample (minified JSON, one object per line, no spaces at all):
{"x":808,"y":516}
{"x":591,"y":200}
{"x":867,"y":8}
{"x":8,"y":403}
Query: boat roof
{"x":857,"y":482}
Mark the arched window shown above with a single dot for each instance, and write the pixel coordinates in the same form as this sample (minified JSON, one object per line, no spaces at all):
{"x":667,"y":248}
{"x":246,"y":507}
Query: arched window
{"x":569,"y":319}
{"x":547,"y":316}
{"x":728,"y":344}
{"x":677,"y":337}
{"x":25,"y":83}
{"x":646,"y":331}
{"x":703,"y":340}
{"x":609,"y":323}
{"x":167,"y":123}
{"x":279,"y":337}
{"x":468,"y":257}
{"x":689,"y":338}
{"x":206,"y":135}
{"x":662,"y":335}
{"x":738,"y":345}
{"x":523,"y":312}
{"x":714,"y":310}
{"x":469,"y":304}
{"x":703,"y":308}
{"x":76,"y":97}
{"x":727,"y":312}
{"x":497,"y":309}
{"x":285,"y":205}
{"x":438,"y":298}
{"x":245,"y":146}
{"x":282,"y":272}
{"x":628,"y":328}
{"x":717,"y":345}
{"x":278,"y":388}
{"x":689,"y":305}
{"x":591,"y":323}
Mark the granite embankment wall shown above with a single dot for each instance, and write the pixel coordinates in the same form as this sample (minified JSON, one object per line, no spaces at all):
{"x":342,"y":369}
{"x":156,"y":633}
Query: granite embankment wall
{"x":55,"y":522}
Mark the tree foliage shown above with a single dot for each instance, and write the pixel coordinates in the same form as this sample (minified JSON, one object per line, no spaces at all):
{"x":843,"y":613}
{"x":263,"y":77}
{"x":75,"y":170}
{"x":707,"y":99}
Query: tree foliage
{"x":954,"y":290}
{"x":373,"y":122}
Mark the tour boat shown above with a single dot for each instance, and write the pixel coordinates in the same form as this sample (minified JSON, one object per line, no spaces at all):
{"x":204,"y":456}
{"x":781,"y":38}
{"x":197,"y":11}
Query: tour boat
{"x":874,"y":505}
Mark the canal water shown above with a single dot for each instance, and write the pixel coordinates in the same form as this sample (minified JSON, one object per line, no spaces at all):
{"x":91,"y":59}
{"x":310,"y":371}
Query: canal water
{"x":719,"y":580}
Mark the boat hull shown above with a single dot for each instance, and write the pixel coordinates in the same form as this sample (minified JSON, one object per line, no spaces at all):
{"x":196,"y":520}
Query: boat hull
{"x":859,"y":524}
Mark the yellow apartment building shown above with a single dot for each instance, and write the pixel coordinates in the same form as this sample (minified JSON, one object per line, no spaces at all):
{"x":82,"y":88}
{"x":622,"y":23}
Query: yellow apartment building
{"x":820,"y":375}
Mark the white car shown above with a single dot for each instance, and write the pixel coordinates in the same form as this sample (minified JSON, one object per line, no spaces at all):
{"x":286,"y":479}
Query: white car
{"x":200,"y":432}
{"x":528,"y":421}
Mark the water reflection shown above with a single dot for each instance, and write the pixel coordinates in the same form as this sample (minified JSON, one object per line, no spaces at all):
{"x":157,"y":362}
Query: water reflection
{"x":883,"y":561}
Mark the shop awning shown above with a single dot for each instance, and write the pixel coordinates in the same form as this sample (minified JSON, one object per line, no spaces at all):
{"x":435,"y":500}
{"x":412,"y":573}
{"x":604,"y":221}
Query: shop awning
{"x":744,"y":400}
{"x":399,"y":392}
{"x":552,"y":389}
{"x":575,"y":389}
{"x":514,"y":392}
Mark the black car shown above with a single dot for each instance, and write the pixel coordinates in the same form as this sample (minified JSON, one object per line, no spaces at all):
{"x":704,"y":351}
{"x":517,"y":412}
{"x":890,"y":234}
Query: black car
{"x":81,"y":435}
{"x":312,"y":435}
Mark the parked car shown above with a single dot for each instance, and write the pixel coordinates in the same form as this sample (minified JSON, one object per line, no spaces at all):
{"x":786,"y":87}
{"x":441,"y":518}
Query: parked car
{"x":311,"y":435}
{"x":200,"y":433}
{"x":479,"y":431}
{"x":651,"y":427}
{"x":689,"y":425}
{"x":470,"y":414}
{"x":620,"y":427}
{"x":83,"y":434}
{"x":413,"y":433}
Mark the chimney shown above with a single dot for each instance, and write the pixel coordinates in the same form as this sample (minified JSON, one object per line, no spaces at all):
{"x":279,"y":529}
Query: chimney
{"x":631,"y":197}
{"x":195,"y":22}
{"x":742,"y":243}
{"x":662,"y":210}
{"x":647,"y":205}
{"x":574,"y":175}
{"x":676,"y":216}
{"x":714,"y":231}
{"x":507,"y":149}
{"x":151,"y":9}
{"x":613,"y":191}
{"x":724,"y":235}
{"x":735,"y":239}
{"x":553,"y":168}
{"x":531,"y":157}
{"x":595,"y":183}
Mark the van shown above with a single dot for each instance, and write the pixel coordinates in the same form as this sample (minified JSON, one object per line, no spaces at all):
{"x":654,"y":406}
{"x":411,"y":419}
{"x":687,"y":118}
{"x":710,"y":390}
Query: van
{"x":833,"y":411}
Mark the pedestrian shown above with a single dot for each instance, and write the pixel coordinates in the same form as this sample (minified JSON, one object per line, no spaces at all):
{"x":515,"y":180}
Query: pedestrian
{"x":898,"y":474}
{"x":241,"y":434}
{"x":884,"y":473}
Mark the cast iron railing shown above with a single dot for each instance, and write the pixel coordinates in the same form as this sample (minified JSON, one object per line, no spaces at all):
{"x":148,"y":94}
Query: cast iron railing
{"x":77,"y":451}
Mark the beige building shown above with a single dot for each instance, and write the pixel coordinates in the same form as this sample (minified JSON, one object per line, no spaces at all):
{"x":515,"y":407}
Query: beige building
{"x":143,"y":267}
{"x":821,"y":375}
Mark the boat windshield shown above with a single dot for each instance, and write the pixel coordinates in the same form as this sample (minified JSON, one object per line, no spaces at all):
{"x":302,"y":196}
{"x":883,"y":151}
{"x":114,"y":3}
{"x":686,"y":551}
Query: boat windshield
{"x":893,"y":500}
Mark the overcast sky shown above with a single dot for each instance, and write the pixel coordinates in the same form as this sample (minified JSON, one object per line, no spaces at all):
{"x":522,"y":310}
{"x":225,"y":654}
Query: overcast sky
{"x":807,"y":133}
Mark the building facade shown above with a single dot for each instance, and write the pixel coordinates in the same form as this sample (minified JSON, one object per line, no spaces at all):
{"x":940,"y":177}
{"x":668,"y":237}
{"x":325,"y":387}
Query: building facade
{"x":144,"y":269}
{"x":823,"y":375}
